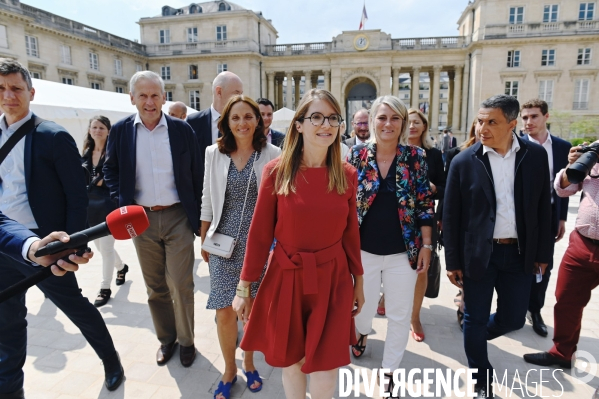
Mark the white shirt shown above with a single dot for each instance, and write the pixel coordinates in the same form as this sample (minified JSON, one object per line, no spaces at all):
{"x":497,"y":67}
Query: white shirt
{"x":504,"y":173}
{"x":358,"y":141}
{"x":548,"y":146}
{"x":269,"y":137}
{"x":154,"y":177}
{"x":215,"y":117}
{"x":14,"y":201}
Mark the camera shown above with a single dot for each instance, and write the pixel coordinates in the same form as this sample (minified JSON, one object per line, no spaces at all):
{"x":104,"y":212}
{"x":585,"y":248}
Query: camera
{"x":582,"y":167}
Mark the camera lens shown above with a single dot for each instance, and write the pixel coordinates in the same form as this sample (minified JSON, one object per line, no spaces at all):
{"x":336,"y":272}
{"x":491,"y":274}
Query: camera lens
{"x":582,"y":167}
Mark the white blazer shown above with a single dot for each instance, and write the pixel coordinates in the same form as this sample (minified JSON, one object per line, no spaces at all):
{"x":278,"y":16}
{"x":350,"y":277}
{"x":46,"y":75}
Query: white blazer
{"x":216,"y":169}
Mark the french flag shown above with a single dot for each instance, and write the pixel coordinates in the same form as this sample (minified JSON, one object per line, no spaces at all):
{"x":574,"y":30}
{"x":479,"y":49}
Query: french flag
{"x":364,"y":18}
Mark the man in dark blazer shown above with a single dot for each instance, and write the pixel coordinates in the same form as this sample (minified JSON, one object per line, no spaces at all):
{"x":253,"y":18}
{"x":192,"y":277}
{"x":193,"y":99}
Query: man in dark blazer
{"x":43,"y":188}
{"x":153,"y":160}
{"x":496,"y":228}
{"x":360,"y":132}
{"x":204,"y":123}
{"x":535,"y":114}
{"x":273,"y":136}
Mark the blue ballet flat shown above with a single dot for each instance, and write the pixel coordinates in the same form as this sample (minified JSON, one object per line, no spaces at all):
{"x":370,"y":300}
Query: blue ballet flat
{"x":224,"y":389}
{"x":252,"y":377}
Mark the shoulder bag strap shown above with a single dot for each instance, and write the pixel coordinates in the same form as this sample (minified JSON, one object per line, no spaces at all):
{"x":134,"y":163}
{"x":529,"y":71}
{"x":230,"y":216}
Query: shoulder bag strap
{"x":246,"y":195}
{"x":18,"y":135}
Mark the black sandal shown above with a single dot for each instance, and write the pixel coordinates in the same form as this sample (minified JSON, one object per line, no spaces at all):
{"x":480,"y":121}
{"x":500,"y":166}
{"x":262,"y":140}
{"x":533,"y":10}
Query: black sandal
{"x":391,"y":387}
{"x":120,"y":275}
{"x":360,"y":347}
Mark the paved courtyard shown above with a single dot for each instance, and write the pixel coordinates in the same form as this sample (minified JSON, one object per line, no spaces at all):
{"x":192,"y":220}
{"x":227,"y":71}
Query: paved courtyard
{"x":60,"y":363}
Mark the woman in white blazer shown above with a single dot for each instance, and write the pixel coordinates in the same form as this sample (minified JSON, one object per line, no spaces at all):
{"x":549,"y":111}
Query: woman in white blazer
{"x":232,"y":175}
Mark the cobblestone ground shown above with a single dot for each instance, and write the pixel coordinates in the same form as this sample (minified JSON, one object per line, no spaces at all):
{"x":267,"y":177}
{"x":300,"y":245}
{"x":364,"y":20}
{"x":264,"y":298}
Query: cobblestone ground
{"x":60,"y":363}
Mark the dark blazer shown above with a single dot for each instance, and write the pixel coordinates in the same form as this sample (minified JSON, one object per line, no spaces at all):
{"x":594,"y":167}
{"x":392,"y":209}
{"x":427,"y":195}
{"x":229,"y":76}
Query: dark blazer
{"x":454,"y":142}
{"x":55,"y":180}
{"x":277,"y":138}
{"x":469,"y":209}
{"x":201,"y":123}
{"x":561,"y":149}
{"x":188,"y":165}
{"x":350,"y":142}
{"x":12,"y":237}
{"x":436,"y":172}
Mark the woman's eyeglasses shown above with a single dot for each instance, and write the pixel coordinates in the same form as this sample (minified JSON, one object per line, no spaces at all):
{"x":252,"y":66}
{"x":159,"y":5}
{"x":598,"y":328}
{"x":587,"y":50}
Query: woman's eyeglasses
{"x":317,"y":119}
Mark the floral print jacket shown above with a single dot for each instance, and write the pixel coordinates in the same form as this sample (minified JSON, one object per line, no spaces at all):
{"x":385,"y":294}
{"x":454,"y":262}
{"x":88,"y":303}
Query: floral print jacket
{"x":415,"y":205}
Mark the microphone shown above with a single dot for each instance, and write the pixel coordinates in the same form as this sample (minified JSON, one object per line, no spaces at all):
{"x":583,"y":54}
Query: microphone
{"x":122,"y":223}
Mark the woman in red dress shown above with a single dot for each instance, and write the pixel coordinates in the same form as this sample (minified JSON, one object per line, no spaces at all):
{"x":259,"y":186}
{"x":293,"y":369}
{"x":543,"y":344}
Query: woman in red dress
{"x":302,"y":317}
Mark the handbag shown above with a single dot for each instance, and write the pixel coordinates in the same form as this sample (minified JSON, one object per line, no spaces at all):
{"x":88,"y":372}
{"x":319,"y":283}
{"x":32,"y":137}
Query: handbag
{"x":222,"y":244}
{"x":434,"y":276}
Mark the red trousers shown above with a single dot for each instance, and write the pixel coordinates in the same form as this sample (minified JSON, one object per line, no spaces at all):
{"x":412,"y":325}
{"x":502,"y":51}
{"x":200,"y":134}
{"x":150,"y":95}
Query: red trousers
{"x":578,"y":276}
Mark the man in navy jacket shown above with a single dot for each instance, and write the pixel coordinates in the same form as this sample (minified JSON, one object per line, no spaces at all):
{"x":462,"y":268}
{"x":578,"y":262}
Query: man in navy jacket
{"x":496,"y":222}
{"x":43,"y":188}
{"x":535,"y":114}
{"x":153,"y":160}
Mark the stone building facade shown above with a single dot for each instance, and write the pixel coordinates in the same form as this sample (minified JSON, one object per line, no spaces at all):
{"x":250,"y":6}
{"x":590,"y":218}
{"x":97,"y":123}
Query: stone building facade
{"x":526,"y":48}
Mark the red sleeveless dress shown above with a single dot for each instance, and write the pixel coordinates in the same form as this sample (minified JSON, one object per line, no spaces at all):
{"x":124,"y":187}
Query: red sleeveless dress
{"x":304,"y":304}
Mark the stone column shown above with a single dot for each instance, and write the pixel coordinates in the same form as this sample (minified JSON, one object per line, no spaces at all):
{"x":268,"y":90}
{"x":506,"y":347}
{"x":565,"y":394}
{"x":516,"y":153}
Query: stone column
{"x":289,"y":90}
{"x":434,"y":103}
{"x":297,"y":80}
{"x":457,"y":99}
{"x":327,"y":78}
{"x":384,"y":81}
{"x":395,"y":86}
{"x":308,"y":82}
{"x":466,"y":95}
{"x":279,"y":81}
{"x":271,"y":86}
{"x":314,"y":81}
{"x":451,"y":75}
{"x":415,"y":96}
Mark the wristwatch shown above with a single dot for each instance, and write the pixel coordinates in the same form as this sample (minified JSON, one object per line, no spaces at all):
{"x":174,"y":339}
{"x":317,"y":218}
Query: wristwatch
{"x":242,"y":292}
{"x":427,"y":246}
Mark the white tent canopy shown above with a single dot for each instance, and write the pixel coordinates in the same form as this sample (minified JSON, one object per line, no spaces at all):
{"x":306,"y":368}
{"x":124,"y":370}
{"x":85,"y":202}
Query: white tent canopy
{"x":73,"y":106}
{"x":281,"y":119}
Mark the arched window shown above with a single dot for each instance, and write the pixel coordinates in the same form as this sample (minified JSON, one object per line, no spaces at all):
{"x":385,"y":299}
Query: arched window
{"x":166,"y":11}
{"x":222,"y":7}
{"x":193,"y":9}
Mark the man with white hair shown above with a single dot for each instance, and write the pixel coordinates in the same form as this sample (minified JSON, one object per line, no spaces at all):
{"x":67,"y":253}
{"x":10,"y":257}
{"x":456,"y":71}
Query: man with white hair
{"x":204,"y":123}
{"x":153,"y":160}
{"x":178,"y":110}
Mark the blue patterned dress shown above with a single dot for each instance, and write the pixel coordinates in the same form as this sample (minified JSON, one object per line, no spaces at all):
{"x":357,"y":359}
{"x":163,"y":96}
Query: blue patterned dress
{"x":224,"y":273}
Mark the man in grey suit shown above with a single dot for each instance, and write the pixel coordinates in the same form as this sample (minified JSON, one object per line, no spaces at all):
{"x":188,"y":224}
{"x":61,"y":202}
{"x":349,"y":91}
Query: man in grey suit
{"x":360,"y":132}
{"x":445,"y":144}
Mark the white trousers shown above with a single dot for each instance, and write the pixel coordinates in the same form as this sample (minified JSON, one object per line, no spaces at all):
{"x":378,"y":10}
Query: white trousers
{"x":399,"y":282}
{"x":110,"y":259}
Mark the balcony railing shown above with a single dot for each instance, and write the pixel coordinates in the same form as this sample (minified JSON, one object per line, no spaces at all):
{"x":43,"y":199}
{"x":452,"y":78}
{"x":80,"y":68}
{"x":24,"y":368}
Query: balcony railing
{"x":428,"y":43}
{"x":298,"y":49}
{"x":225,"y":46}
{"x":541,"y":29}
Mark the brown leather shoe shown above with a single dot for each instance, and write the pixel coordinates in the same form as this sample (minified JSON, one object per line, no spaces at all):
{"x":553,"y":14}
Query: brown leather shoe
{"x":165,"y":352}
{"x":187,"y":354}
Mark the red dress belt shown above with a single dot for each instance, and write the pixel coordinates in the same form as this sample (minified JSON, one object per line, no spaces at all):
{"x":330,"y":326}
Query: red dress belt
{"x":308,"y":261}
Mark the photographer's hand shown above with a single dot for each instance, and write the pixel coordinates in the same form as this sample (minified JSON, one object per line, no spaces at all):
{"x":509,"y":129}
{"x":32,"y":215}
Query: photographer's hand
{"x":572,"y":157}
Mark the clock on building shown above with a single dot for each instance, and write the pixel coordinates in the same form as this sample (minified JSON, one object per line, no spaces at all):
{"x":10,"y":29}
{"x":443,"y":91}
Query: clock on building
{"x":361,"y":42}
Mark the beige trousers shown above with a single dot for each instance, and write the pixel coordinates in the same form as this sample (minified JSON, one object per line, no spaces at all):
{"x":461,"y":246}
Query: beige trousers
{"x":166,"y":255}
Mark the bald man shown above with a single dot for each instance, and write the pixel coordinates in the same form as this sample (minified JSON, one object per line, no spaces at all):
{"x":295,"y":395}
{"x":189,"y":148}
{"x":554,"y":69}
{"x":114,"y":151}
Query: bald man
{"x":204,"y":123}
{"x":178,"y":110}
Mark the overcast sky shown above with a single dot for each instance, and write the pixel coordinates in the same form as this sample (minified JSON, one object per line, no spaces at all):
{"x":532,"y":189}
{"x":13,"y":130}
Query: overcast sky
{"x":296,"y":21}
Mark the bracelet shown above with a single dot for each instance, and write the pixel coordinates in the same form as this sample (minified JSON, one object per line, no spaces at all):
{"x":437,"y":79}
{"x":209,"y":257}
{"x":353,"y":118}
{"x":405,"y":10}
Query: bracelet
{"x":428,"y":246}
{"x":242,"y":292}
